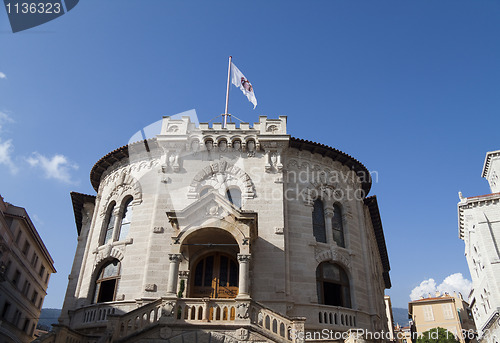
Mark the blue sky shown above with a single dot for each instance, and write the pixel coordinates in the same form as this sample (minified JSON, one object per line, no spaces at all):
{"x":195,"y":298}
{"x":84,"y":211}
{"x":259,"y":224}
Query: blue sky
{"x":408,"y":88}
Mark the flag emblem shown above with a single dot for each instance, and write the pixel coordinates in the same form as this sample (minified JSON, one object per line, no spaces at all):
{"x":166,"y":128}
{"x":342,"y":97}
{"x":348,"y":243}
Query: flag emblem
{"x":240,"y":81}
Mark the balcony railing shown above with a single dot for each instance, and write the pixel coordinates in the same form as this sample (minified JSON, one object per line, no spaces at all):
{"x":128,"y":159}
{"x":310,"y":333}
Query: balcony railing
{"x":98,"y":313}
{"x":333,"y":317}
{"x":203,"y":312}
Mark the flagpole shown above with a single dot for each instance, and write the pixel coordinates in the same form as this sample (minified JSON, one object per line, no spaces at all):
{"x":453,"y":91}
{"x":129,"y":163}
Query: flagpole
{"x":227,"y":90}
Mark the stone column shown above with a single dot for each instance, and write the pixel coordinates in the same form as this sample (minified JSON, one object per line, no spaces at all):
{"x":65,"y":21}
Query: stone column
{"x":173,"y":273}
{"x":328,"y":225}
{"x":244,"y":280}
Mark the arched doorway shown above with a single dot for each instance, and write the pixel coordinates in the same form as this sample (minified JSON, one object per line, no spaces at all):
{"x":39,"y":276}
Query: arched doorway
{"x":214,"y":275}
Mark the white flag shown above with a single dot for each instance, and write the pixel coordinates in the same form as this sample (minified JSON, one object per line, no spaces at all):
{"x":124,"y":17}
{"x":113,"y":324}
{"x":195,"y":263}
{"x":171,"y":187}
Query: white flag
{"x":240,"y":81}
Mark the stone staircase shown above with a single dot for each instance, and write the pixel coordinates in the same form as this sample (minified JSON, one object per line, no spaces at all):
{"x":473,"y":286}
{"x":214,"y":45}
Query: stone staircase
{"x":223,"y":320}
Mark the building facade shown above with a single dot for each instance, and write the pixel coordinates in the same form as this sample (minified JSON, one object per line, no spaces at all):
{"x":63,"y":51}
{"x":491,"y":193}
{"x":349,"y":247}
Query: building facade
{"x":25,"y":268}
{"x":445,"y":311}
{"x":390,"y":319}
{"x":237,"y":234}
{"x":479,"y":228}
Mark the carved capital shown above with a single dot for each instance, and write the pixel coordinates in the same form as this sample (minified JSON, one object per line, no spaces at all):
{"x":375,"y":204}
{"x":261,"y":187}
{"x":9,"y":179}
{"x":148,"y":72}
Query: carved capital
{"x":174,"y":258}
{"x":244,"y":258}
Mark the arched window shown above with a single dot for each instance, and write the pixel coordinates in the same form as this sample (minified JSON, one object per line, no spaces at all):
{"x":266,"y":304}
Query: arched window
{"x":107,"y":282}
{"x":206,"y":190}
{"x":126,"y":219}
{"x":319,"y":230}
{"x":337,"y":226}
{"x":233,"y":194}
{"x":332,"y":285}
{"x":110,"y":224}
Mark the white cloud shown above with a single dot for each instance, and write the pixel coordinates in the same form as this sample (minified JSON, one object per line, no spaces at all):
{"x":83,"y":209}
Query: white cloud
{"x":2,"y":75}
{"x":5,"y":118}
{"x":58,"y":167}
{"x":456,"y":283}
{"x":425,"y":287}
{"x":6,"y":149}
{"x":452,"y":283}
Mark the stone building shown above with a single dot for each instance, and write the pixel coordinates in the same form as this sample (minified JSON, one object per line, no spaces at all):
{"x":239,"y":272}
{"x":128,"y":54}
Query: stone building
{"x":25,"y":268}
{"x":479,"y":228}
{"x":237,"y":234}
{"x":445,"y":311}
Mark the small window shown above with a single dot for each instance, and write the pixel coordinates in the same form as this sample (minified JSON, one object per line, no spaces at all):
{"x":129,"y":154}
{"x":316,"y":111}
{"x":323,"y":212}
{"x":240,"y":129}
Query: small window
{"x":18,"y":237}
{"x":17,"y":317}
{"x":26,"y":248}
{"x":34,"y":297}
{"x":107,"y":282}
{"x":428,"y":314}
{"x":34,"y":260}
{"x":26,"y":325}
{"x":26,"y":287}
{"x":126,"y":220}
{"x":337,"y":226}
{"x":42,"y":271}
{"x":5,"y":309}
{"x":110,"y":224}
{"x":233,"y":194}
{"x":16,"y":277}
{"x":318,"y":215}
{"x":447,"y":311}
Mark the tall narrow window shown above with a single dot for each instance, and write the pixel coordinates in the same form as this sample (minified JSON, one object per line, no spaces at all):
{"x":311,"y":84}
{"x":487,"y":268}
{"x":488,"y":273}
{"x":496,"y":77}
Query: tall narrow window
{"x":337,"y":226}
{"x":126,"y":219}
{"x":333,"y":285}
{"x":319,"y":231}
{"x":107,"y":282}
{"x":110,"y":224}
{"x":233,"y":194}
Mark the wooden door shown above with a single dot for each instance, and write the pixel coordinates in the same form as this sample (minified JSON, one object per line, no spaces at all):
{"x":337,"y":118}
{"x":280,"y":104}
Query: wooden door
{"x":215,"y":276}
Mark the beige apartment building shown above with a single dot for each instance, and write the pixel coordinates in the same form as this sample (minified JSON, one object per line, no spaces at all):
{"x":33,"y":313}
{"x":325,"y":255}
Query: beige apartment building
{"x":25,"y":269}
{"x":443,"y":310}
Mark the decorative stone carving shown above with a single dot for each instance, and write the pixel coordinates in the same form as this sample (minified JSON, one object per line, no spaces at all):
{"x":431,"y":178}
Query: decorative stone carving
{"x":105,"y":251}
{"x":184,"y":274}
{"x":158,"y":229}
{"x":251,"y":148}
{"x":242,"y":310}
{"x":165,"y":332}
{"x":244,"y":258}
{"x":213,"y":210}
{"x":174,"y":257}
{"x":221,"y":175}
{"x":168,"y":309}
{"x":242,"y":334}
{"x":334,"y":254}
{"x":150,"y":287}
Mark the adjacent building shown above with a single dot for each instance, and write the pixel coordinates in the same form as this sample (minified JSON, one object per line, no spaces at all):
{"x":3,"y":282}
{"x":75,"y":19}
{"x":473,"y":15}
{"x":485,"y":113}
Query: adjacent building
{"x":391,"y":337}
{"x":25,"y":269}
{"x":235,"y":234}
{"x":445,"y":311}
{"x":479,"y":228}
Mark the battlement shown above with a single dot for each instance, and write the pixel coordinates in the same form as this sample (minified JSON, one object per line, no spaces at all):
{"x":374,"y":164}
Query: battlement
{"x":184,"y":126}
